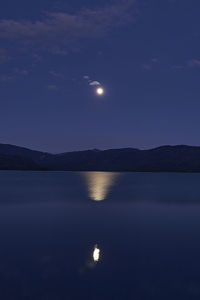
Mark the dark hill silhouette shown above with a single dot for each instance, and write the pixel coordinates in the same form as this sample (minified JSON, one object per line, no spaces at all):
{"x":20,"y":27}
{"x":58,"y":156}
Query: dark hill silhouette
{"x":8,"y":162}
{"x":13,"y":150}
{"x":162,"y":159}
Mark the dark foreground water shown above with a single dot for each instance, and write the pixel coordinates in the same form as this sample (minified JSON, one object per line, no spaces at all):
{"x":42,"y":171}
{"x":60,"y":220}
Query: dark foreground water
{"x":99,"y":236}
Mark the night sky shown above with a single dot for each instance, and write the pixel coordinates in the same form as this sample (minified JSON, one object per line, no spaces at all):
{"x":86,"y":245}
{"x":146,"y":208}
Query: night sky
{"x":144,"y":53}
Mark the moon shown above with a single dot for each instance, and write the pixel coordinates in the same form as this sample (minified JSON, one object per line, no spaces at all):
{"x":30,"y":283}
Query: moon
{"x":100,"y":91}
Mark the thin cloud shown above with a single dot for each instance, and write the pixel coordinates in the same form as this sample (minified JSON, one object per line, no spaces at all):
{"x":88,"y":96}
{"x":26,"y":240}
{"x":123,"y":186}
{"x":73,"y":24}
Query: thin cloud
{"x":56,"y":74}
{"x":90,"y":81}
{"x":155,"y":60}
{"x":21,"y":72}
{"x":94,"y":83}
{"x":192,"y":63}
{"x":56,"y":31}
{"x":52,"y":87}
{"x":3,"y":56}
{"x":6,"y":78}
{"x":149,"y":66}
{"x":58,"y":51}
{"x":177,"y":67}
{"x":13,"y":75}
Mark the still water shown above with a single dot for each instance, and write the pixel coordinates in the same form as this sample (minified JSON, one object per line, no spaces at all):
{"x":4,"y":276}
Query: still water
{"x":96,"y":235}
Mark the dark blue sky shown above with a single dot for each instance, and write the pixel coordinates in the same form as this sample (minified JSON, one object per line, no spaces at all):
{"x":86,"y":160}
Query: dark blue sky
{"x":145,"y":53}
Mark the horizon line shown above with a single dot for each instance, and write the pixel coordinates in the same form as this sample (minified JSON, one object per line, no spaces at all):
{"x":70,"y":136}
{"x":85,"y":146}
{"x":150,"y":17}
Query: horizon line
{"x":97,"y":149}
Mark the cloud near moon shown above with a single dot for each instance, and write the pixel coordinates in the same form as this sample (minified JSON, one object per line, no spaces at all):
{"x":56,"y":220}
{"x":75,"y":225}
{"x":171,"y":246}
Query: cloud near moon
{"x":90,"y":81}
{"x":94,"y":83}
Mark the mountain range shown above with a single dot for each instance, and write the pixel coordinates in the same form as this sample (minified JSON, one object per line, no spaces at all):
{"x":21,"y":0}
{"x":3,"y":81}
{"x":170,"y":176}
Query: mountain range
{"x":179,"y":158}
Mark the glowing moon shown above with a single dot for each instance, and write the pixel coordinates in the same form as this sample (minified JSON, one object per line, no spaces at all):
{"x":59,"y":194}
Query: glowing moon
{"x":100,"y":91}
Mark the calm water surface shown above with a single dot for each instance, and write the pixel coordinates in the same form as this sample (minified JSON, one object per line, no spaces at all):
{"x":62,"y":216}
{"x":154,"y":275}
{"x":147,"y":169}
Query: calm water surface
{"x":96,"y":235}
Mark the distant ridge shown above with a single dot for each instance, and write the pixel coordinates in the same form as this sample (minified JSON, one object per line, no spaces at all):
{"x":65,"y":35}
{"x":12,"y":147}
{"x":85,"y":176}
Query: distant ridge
{"x":180,"y":158}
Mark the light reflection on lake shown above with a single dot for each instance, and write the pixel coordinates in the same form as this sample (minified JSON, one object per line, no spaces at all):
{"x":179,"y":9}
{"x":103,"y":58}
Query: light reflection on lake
{"x":99,"y":183}
{"x":96,"y":253}
{"x":57,"y":243}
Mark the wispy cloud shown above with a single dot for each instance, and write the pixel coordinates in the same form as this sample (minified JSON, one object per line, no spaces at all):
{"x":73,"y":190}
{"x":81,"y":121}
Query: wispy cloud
{"x":192,"y":63}
{"x":58,"y":51}
{"x":21,"y":72}
{"x":150,"y":64}
{"x":147,"y":67}
{"x":177,"y":67}
{"x":188,"y":64}
{"x":155,"y":60}
{"x":3,"y":56}
{"x":94,"y":83}
{"x":6,"y":78}
{"x":13,"y":75}
{"x":52,"y":87}
{"x":56,"y":74}
{"x":55,"y":31}
{"x":90,"y":81}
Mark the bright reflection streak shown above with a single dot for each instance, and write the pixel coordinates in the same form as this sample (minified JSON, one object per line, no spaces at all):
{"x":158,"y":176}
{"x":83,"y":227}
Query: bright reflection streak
{"x":96,"y":254}
{"x":99,"y":183}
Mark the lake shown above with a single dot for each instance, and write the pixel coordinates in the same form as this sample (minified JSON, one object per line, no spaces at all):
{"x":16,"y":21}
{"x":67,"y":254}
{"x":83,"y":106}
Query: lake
{"x":96,"y":235}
